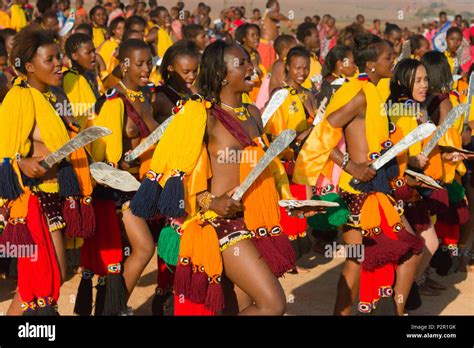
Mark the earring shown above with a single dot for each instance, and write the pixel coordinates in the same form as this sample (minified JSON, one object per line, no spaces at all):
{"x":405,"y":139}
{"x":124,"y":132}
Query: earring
{"x":372,"y":70}
{"x":224,"y":82}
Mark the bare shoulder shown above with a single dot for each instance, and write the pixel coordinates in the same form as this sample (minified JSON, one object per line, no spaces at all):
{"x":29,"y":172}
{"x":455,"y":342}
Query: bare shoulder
{"x":255,"y":113}
{"x":344,"y":115}
{"x":162,"y":106}
{"x":359,"y":100}
{"x":444,"y":108}
{"x":161,"y":98}
{"x":210,"y":119}
{"x":273,"y":15}
{"x":278,"y":65}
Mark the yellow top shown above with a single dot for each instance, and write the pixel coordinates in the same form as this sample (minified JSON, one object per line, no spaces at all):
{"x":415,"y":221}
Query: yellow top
{"x":155,"y":76}
{"x":452,"y":61}
{"x":314,"y":70}
{"x":164,"y":42}
{"x":107,"y":51}
{"x":290,"y":115}
{"x":109,"y":148}
{"x":98,"y":36}
{"x":80,"y":95}
{"x":384,"y":88}
{"x":22,"y":108}
{"x":185,"y":151}
{"x":18,"y":17}
{"x":313,"y":159}
{"x":5,"y":21}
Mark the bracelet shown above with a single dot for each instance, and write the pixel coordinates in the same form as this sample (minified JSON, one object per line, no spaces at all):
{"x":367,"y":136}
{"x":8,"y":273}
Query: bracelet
{"x":205,"y":200}
{"x":345,"y":160}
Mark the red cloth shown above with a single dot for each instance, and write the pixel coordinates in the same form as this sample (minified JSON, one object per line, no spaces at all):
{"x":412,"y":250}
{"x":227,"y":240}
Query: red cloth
{"x":232,"y":125}
{"x":183,"y":306}
{"x":105,"y":247}
{"x":292,"y":226}
{"x":39,"y":276}
{"x":238,"y":22}
{"x":376,"y":284}
{"x":381,"y":255}
{"x":267,"y":53}
{"x":165,"y":275}
{"x":135,"y":117}
{"x":449,"y":234}
{"x":110,"y":240}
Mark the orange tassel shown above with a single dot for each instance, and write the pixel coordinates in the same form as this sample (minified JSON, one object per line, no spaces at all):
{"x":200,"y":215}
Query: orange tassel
{"x":261,"y":213}
{"x":387,"y":204}
{"x":80,"y":164}
{"x":369,"y":213}
{"x":199,"y":277}
{"x":261,"y":199}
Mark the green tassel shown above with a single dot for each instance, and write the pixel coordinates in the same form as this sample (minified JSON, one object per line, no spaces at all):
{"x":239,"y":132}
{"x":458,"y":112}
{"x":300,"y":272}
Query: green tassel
{"x":333,"y":218}
{"x":168,"y":245}
{"x":455,"y":192}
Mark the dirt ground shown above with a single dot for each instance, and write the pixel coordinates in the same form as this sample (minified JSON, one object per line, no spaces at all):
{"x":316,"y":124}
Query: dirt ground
{"x":311,"y":293}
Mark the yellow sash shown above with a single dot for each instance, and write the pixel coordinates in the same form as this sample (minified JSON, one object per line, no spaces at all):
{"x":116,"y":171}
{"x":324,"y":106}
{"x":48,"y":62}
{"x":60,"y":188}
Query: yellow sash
{"x":313,"y":159}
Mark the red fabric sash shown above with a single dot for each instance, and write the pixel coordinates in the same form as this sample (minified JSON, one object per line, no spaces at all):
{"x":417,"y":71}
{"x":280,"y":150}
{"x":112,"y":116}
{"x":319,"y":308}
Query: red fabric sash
{"x":105,"y":247}
{"x":39,"y":275}
{"x":135,"y":117}
{"x":233,"y":126}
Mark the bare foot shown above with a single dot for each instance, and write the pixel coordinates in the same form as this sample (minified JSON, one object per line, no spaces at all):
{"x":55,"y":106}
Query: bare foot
{"x":302,"y":269}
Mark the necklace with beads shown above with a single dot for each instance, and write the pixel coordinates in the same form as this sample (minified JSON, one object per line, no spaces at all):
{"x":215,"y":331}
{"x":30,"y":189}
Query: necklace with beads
{"x":252,"y":56}
{"x":133,"y":95}
{"x":241,"y":112}
{"x":301,"y":95}
{"x":50,"y":96}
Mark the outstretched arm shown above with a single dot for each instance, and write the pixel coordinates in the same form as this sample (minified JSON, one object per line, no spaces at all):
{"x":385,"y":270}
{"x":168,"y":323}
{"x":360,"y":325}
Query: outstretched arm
{"x":277,"y":16}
